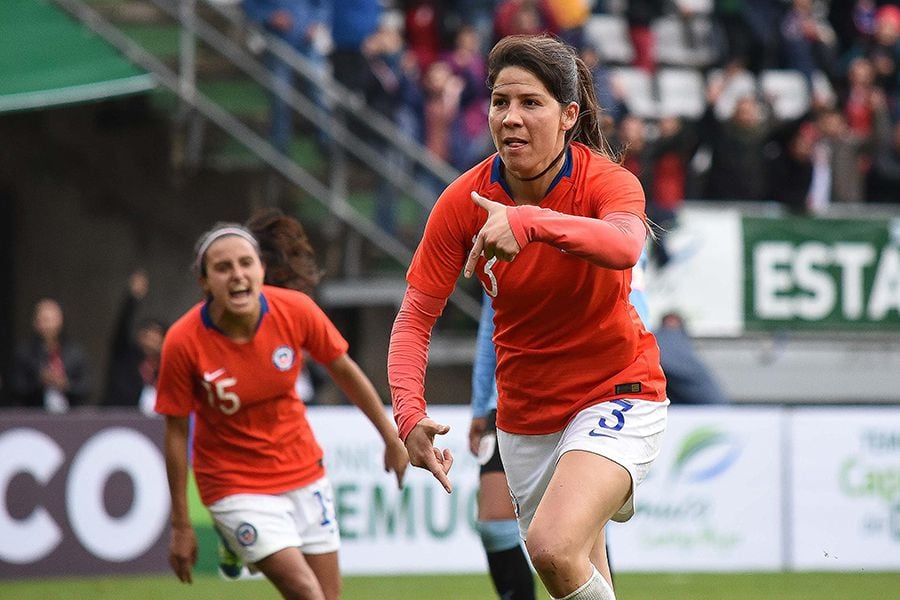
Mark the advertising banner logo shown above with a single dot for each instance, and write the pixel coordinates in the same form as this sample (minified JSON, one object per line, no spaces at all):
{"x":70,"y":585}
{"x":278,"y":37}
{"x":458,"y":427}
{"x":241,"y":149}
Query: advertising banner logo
{"x":81,"y":494}
{"x":713,"y":497}
{"x":840,"y":274}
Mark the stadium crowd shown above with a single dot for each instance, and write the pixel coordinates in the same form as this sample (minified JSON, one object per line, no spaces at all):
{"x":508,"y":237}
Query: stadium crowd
{"x":422,"y":64}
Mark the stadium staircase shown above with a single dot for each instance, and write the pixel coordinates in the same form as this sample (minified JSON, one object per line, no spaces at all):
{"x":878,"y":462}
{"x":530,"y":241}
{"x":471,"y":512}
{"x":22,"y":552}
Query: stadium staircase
{"x":214,"y":84}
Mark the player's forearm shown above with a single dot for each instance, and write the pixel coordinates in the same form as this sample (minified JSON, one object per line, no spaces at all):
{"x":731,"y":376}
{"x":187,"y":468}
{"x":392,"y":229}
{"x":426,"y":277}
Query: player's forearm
{"x":614,"y":242}
{"x":176,"y":450}
{"x":408,"y":357}
{"x":359,"y":389}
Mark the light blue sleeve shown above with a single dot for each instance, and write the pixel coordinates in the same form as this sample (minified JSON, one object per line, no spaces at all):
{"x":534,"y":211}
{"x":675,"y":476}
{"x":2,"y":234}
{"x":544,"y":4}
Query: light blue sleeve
{"x":484,"y":386}
{"x":638,"y":296}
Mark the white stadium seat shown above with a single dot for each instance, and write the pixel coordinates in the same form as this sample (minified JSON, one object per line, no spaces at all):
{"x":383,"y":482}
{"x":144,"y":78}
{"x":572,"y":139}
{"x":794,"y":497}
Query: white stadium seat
{"x":682,"y":92}
{"x":637,"y":85}
{"x":609,"y":35}
{"x":787,"y":91}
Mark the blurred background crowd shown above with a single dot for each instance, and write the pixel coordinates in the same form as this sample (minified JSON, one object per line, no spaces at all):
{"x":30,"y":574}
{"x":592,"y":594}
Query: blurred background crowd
{"x":795,"y":102}
{"x":787,"y":100}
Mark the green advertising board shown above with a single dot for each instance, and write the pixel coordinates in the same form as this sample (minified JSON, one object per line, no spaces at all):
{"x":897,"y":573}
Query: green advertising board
{"x":821,"y":274}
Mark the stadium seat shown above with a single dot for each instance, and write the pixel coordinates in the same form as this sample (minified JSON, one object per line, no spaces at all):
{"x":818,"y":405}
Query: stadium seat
{"x":681,"y":92}
{"x":637,"y":85}
{"x":787,"y":91}
{"x":696,"y":7}
{"x":609,"y":35}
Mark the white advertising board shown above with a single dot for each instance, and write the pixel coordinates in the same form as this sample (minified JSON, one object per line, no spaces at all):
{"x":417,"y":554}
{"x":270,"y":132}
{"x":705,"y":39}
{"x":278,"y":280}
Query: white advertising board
{"x":713,"y":499}
{"x":845,"y":509}
{"x":704,"y":278}
{"x":420,"y":529}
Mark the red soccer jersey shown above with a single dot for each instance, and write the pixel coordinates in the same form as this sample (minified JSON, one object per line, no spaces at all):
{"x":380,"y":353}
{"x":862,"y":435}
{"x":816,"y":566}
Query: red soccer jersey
{"x":566,"y":334}
{"x":250,"y":434}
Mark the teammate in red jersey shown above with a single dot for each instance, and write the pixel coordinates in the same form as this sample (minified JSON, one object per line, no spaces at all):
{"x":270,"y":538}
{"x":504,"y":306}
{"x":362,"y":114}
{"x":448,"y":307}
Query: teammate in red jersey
{"x":552,"y":227}
{"x":232,"y":361}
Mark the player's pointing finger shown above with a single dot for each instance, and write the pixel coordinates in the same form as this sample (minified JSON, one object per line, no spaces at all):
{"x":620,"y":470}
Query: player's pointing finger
{"x":477,"y":248}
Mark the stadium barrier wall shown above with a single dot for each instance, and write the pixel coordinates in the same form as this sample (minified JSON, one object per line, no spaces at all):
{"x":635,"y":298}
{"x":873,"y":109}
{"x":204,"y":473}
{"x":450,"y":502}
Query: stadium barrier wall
{"x":734,"y":489}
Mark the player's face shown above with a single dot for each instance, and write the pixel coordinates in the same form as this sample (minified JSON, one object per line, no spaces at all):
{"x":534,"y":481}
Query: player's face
{"x":527,"y":124}
{"x":234,"y":275}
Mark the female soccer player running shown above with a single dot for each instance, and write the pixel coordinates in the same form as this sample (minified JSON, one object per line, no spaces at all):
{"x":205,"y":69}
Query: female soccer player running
{"x":232,"y":361}
{"x":557,"y":227}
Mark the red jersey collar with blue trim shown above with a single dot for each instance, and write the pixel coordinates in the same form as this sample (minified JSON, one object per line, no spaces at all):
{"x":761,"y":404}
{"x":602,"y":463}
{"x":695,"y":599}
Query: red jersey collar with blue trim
{"x":208,"y":322}
{"x":497,"y":173}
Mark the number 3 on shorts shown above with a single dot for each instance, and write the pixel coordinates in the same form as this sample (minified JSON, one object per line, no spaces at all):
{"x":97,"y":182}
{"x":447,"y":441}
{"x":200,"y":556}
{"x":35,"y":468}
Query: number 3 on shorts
{"x":618,"y":414}
{"x":323,"y":506}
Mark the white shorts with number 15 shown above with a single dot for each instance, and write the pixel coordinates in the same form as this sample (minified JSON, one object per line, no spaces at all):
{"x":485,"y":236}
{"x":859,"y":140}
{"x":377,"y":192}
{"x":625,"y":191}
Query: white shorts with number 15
{"x":258,"y":525}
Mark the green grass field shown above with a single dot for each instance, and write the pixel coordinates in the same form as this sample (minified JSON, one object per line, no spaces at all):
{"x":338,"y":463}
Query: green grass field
{"x":629,"y":586}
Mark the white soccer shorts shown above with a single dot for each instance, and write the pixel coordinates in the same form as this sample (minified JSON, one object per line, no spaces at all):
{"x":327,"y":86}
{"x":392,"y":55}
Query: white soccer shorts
{"x":258,"y":525}
{"x":628,"y":432}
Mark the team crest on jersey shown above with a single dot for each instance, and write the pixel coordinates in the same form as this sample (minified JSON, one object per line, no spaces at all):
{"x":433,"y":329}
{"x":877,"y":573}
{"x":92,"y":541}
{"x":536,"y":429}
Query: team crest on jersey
{"x":283,"y":358}
{"x":245,"y":534}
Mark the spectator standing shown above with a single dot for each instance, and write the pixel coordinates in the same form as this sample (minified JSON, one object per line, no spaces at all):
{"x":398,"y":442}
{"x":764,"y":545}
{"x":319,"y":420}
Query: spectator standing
{"x":762,"y":18}
{"x":738,"y":168}
{"x":379,"y":80}
{"x":610,"y":93}
{"x":882,"y":50}
{"x":480,"y":14}
{"x":515,"y":17}
{"x":861,"y":96}
{"x":570,"y":17}
{"x":305,"y":25}
{"x":849,"y":155}
{"x":792,"y":169}
{"x":351,"y":25}
{"x":442,"y":96}
{"x":808,"y":42}
{"x":736,"y":40}
{"x":423,"y":30}
{"x":851,"y":20}
{"x":471,"y":139}
{"x":659,"y":162}
{"x":884,"y":177}
{"x":49,"y":369}
{"x":134,"y":352}
{"x":640,"y":15}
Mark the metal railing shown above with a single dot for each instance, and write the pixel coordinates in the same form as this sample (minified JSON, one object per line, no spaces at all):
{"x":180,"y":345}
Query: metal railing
{"x":332,"y":196}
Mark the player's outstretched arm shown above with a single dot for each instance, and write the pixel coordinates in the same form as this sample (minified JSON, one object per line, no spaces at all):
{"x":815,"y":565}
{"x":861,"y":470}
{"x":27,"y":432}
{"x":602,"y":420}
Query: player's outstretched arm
{"x":359,"y":389}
